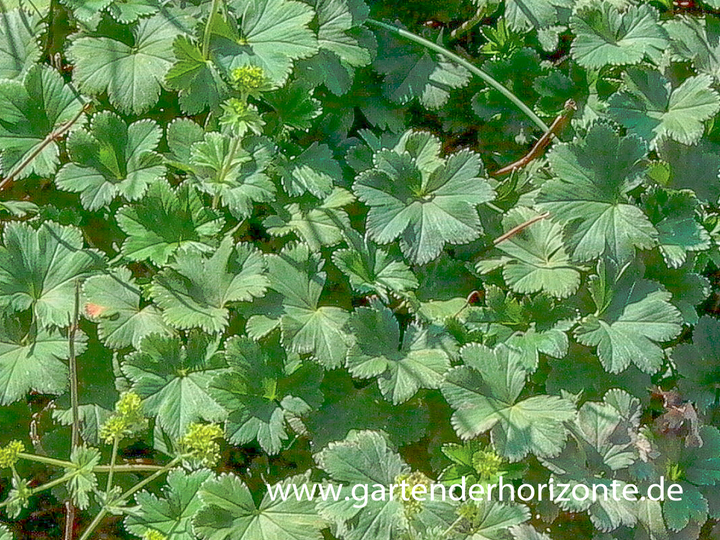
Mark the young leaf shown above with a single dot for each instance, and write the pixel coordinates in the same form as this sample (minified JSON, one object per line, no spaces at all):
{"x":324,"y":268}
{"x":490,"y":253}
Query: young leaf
{"x":194,"y":290}
{"x":693,"y":167}
{"x":39,"y":270}
{"x":170,"y":515}
{"x":18,"y":42}
{"x":29,"y":111}
{"x":371,"y":269}
{"x":131,"y":74}
{"x":402,"y":368}
{"x":604,"y":36}
{"x":364,"y":458}
{"x":317,"y":223}
{"x":262,"y":391}
{"x":111,"y":159}
{"x":198,"y":81}
{"x":166,"y":220}
{"x":652,"y":109}
{"x":233,"y":170}
{"x":428,"y":201}
{"x":589,"y":193}
{"x":484,"y":393}
{"x":632,"y":316}
{"x":114,"y":301}
{"x":271,"y":34}
{"x":33,"y":362}
{"x":536,"y":259}
{"x":172,"y":378}
{"x":673,"y":213}
{"x":230,"y":513}
{"x":84,"y":480}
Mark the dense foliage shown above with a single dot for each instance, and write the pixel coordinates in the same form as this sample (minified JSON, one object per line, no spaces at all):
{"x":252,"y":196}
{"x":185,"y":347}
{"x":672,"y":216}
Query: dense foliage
{"x":271,"y":242}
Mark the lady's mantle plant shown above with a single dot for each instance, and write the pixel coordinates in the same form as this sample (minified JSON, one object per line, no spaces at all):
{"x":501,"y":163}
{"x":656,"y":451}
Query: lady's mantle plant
{"x":251,"y":246}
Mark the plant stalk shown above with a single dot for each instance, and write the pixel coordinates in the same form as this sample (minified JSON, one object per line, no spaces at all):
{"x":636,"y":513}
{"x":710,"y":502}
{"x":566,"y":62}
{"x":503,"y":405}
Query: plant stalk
{"x":464,"y":63}
{"x":208,"y":29}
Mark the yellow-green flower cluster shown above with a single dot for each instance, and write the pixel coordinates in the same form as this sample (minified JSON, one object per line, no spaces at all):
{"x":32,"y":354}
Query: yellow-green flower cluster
{"x":411,"y":503}
{"x":127,"y":419}
{"x":199,"y":442}
{"x":9,"y":453}
{"x":487,"y":464}
{"x":248,"y":78}
{"x":152,"y":534}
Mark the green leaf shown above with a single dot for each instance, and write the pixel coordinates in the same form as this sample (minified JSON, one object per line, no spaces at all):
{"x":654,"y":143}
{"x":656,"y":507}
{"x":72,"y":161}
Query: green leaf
{"x":484,"y":393}
{"x":698,"y":40}
{"x":84,"y":481}
{"x":233,"y":170}
{"x":314,"y":170}
{"x":230,"y":513}
{"x":426,"y":200}
{"x":673,"y":213}
{"x":697,"y":364}
{"x":114,"y":301}
{"x":371,"y":269}
{"x":167,"y":220}
{"x":294,"y":105}
{"x":296,"y":275}
{"x":30,"y":110}
{"x":318,"y":223}
{"x":526,"y":14}
{"x":628,"y":324}
{"x":693,"y":167}
{"x":173,"y":378}
{"x":412,"y":73}
{"x":344,"y":44}
{"x":130,"y":74}
{"x":402,"y":367}
{"x":262,"y":391}
{"x":271,"y":34}
{"x":652,"y":109}
{"x":170,"y":515}
{"x":33,"y":362}
{"x":197,"y":80}
{"x":194,"y":291}
{"x":605,"y":36}
{"x":19,"y":48}
{"x":39,"y":270}
{"x":346,"y":408}
{"x":111,"y":159}
{"x":5,"y":533}
{"x":535,"y":258}
{"x":364,"y":458}
{"x":590,"y":193}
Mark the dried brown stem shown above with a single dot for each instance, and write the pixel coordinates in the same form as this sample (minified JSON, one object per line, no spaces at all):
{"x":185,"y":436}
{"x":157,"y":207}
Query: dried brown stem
{"x":537,"y":150}
{"x":515,"y":230}
{"x":51,"y":137}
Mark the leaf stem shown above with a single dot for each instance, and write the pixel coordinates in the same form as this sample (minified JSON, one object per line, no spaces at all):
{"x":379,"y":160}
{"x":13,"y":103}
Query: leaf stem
{"x":464,"y":63}
{"x":74,"y":400}
{"x":208,"y":29}
{"x":128,"y":467}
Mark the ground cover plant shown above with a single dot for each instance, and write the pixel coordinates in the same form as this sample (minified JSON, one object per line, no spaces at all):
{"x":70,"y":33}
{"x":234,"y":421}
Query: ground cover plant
{"x":251,"y":244}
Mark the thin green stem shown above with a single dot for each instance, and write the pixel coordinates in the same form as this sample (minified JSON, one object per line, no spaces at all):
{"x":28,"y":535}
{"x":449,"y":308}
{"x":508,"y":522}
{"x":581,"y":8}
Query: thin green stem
{"x":464,"y":63}
{"x":208,"y":29}
{"x":125,"y":468}
{"x":113,"y":457}
{"x":129,"y":493}
{"x":54,"y":483}
{"x":46,"y":460}
{"x":74,"y":398}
